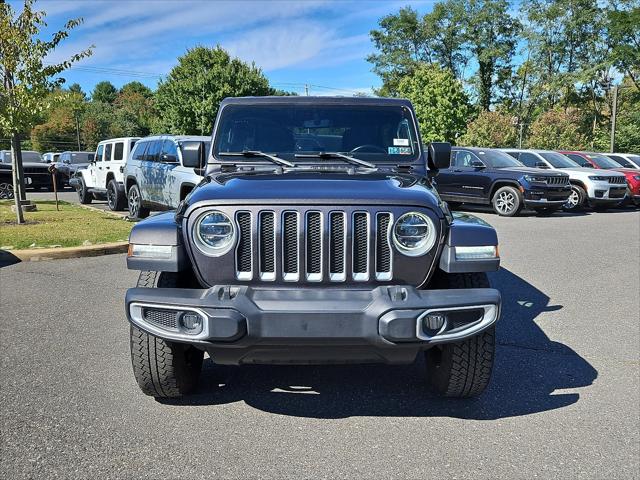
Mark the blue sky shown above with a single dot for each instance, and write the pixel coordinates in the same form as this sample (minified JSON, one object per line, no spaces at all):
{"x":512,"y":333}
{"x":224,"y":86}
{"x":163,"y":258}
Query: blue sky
{"x":321,"y":43}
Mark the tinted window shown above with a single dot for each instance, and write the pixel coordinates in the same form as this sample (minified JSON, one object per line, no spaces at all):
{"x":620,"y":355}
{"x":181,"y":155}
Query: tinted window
{"x":515,"y":155}
{"x":372,"y":132}
{"x":30,"y":157}
{"x":497,"y":159}
{"x":559,"y":160}
{"x":99,"y":153}
{"x":463,"y":158}
{"x":138,"y":152}
{"x":153,"y":151}
{"x":118,"y":151}
{"x":81,"y":157}
{"x":170,"y":149}
{"x":529,"y":159}
{"x":622,"y":161}
{"x":133,"y":144}
{"x":604,"y":162}
{"x":579,"y":159}
{"x":107,"y":152}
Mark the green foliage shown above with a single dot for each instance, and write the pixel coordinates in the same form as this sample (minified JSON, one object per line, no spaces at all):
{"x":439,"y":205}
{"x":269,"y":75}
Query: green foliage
{"x":190,"y":96}
{"x":441,"y":105}
{"x":136,"y":88}
{"x":491,"y":130}
{"x":555,"y":130}
{"x":26,"y":78}
{"x":624,"y":38}
{"x":58,"y":132}
{"x":104,"y":92}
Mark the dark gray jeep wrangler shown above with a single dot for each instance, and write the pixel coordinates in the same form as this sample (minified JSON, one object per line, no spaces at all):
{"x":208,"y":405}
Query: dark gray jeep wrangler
{"x":316,"y":237}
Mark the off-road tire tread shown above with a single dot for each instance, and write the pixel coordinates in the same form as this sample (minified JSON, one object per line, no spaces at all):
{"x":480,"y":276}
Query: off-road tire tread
{"x":465,"y":367}
{"x":158,"y":365}
{"x":121,"y":199}
{"x":87,"y":197}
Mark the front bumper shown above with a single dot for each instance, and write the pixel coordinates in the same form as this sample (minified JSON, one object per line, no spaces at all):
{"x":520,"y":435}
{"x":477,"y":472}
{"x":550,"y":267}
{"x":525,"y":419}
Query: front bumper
{"x":546,"y":196}
{"x":604,"y":193}
{"x":299,"y":326}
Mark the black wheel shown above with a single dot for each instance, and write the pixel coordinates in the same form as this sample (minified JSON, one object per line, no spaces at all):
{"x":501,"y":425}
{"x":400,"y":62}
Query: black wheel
{"x":163,"y":369}
{"x":116,"y":200}
{"x":576,"y":199}
{"x":6,"y":189}
{"x":136,"y":210}
{"x":84,"y":195}
{"x":507,"y":201}
{"x":462,"y":369}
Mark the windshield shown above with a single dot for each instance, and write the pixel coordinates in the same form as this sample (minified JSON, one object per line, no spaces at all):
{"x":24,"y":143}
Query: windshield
{"x":635,"y":159}
{"x":558,"y":160}
{"x":497,"y":159}
{"x":372,"y":132}
{"x":603,"y":162}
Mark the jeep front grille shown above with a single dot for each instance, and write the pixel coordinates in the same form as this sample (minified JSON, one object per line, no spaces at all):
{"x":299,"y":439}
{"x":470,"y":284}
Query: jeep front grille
{"x":559,"y":180}
{"x":617,"y":180}
{"x":314,"y":246}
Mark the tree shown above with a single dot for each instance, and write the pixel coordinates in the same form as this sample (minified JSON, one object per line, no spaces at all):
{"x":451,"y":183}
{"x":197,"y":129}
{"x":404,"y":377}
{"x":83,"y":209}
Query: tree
{"x":440,"y":102}
{"x":557,"y":130}
{"x":490,"y":130}
{"x":492,"y":35}
{"x":189,"y":97}
{"x":76,"y":88}
{"x":104,"y":92}
{"x":135,"y":108}
{"x":624,"y":38}
{"x":136,"y":88}
{"x":26,"y":79}
{"x":60,"y":129}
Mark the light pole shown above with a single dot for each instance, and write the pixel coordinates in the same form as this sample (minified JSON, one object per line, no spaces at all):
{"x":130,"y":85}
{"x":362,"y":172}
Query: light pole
{"x":614,"y":112}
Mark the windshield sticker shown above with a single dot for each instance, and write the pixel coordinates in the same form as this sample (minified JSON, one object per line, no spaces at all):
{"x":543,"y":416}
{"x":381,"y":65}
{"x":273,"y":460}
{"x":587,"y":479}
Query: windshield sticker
{"x":400,"y":142}
{"x":399,"y":150}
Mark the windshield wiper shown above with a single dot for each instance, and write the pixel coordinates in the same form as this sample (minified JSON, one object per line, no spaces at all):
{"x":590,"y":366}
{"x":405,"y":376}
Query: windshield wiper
{"x":347,"y":158}
{"x":257,"y":153}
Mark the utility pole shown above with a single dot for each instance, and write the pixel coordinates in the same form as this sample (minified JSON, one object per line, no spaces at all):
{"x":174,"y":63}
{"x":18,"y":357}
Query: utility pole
{"x":613,"y":118}
{"x":77,"y":130}
{"x":306,"y":89}
{"x":520,"y":135}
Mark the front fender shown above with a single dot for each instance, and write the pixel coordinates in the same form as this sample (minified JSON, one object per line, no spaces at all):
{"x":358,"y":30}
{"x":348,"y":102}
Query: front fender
{"x":157,"y":231}
{"x":469,"y":231}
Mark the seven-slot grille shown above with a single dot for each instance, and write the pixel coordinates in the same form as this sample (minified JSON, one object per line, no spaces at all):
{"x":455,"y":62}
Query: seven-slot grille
{"x":314,"y":246}
{"x":559,"y":180}
{"x":617,"y":180}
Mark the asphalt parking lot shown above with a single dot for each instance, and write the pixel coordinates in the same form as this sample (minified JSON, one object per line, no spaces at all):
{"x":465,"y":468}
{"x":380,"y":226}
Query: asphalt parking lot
{"x":564,"y":401}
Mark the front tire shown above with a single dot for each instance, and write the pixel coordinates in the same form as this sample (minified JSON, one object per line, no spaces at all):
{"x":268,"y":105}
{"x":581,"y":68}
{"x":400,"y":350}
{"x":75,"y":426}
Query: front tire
{"x":116,"y":200}
{"x":6,"y":189}
{"x":576,"y":199}
{"x":462,"y":369}
{"x":136,"y":208}
{"x":163,"y":369}
{"x":507,"y":202}
{"x":83,"y":194}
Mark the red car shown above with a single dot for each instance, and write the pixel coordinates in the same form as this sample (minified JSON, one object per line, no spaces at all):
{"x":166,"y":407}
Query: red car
{"x":597,"y":160}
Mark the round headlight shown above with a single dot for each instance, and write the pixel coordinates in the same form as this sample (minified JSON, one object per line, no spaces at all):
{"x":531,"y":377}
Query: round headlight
{"x":414,"y":234}
{"x":214,"y":233}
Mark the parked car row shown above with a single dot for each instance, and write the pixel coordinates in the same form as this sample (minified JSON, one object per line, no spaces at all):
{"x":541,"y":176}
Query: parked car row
{"x":546,"y":181}
{"x":152,"y":173}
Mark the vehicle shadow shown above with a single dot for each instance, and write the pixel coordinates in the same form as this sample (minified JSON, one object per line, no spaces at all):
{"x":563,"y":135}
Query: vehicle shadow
{"x":529,"y":369}
{"x":7,"y":259}
{"x":470,"y":208}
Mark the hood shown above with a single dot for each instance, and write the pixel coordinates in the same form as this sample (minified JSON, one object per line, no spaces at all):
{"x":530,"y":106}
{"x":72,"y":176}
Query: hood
{"x":7,"y":166}
{"x":538,"y":172}
{"x":627,"y":171}
{"x":293,"y":188}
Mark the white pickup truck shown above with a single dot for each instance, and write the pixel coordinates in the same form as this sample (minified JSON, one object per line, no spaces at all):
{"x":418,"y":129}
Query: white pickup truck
{"x":103,"y":178}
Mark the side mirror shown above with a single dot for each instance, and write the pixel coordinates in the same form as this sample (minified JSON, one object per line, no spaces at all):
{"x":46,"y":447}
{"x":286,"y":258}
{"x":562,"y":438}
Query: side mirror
{"x":192,"y":155}
{"x":438,"y":155}
{"x":541,"y":165}
{"x":477,"y":164}
{"x":586,"y":165}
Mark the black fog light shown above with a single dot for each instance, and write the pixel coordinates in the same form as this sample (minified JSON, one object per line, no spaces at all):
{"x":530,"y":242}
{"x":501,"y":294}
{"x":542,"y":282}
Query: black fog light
{"x":600,"y":193}
{"x":191,"y":322}
{"x":433,"y":322}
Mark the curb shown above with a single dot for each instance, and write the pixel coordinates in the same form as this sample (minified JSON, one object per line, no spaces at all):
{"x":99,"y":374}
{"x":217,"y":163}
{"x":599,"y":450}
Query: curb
{"x":37,"y":254}
{"x":122,"y":215}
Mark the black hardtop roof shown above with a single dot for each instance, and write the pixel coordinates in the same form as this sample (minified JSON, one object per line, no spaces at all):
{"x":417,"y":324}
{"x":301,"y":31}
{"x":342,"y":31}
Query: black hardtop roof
{"x":283,"y":99}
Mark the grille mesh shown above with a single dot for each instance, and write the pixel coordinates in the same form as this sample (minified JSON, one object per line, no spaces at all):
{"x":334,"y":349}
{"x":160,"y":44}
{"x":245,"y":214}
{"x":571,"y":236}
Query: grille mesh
{"x":617,"y":180}
{"x":383,"y":251}
{"x":314,"y":242}
{"x":360,"y":236}
{"x":244,"y":242}
{"x":336,"y":261}
{"x":167,"y":319}
{"x":267,"y":242}
{"x":290,"y":242}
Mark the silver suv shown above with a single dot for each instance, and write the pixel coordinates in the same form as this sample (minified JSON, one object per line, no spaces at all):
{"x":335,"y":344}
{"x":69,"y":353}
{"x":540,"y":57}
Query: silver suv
{"x":155,"y":176}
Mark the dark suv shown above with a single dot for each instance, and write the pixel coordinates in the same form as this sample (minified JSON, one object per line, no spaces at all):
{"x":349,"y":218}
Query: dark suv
{"x":315,"y":237}
{"x":488,"y":176}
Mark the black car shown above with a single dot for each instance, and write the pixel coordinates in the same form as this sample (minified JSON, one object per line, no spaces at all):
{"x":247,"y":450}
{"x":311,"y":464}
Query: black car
{"x":36,"y":173}
{"x":491,"y":177}
{"x":315,"y":237}
{"x":69,"y":163}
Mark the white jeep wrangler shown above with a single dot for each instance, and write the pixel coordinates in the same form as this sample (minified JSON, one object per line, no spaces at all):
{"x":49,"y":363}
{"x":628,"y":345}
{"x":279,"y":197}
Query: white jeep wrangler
{"x":103,"y":178}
